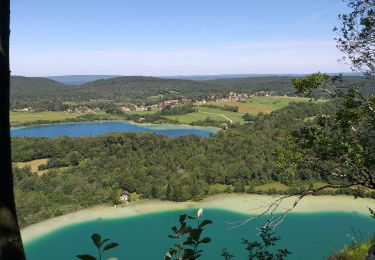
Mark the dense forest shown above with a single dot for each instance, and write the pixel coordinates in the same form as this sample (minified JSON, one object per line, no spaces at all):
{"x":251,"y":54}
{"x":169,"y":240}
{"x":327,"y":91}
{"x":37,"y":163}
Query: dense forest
{"x":98,"y":168}
{"x":47,"y":94}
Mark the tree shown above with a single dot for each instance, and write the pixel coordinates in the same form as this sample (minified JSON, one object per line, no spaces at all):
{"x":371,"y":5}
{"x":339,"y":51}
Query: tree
{"x":357,"y":36}
{"x":10,"y":237}
{"x":340,"y":146}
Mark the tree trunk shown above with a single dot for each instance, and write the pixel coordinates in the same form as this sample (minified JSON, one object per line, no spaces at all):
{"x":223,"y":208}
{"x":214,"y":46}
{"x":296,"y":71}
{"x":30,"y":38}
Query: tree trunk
{"x":10,"y":237}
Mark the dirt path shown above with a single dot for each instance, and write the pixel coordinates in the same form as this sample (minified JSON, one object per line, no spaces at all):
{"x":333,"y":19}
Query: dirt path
{"x":230,"y":120}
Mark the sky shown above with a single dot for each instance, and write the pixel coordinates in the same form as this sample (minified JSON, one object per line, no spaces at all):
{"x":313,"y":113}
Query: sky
{"x":174,"y":37}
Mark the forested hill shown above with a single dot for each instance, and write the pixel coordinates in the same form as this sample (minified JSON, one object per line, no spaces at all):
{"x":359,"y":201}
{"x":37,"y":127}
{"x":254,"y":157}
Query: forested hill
{"x":137,"y":87}
{"x":26,"y":91}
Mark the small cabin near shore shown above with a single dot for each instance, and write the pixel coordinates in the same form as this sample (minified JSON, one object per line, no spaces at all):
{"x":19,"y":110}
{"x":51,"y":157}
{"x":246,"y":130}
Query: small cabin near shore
{"x":124,"y":196}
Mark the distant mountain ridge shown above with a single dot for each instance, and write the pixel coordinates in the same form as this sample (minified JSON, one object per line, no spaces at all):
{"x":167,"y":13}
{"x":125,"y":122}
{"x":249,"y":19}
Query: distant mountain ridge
{"x":79,"y":79}
{"x":83,"y":79}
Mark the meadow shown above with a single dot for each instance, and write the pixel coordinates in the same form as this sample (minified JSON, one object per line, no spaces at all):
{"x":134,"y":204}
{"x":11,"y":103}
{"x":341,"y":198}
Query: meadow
{"x":265,"y":104}
{"x":22,"y":117}
{"x":252,"y":106}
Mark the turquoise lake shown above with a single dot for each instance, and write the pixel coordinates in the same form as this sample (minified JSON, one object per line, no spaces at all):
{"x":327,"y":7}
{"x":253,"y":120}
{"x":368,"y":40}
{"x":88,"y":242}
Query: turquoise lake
{"x":307,"y":236}
{"x":98,"y":128}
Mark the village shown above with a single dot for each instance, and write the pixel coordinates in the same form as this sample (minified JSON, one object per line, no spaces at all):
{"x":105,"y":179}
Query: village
{"x":232,"y":97}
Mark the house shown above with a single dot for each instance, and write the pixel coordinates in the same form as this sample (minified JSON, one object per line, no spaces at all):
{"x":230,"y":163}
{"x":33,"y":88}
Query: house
{"x":124,"y":196}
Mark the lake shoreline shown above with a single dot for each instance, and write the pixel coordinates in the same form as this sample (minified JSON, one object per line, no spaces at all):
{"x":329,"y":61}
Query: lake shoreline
{"x":82,"y":129}
{"x":162,"y":126}
{"x":250,"y":204}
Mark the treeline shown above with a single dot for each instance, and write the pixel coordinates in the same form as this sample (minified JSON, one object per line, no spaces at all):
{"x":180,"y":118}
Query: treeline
{"x":179,"y":169}
{"x":178,"y":110}
{"x":224,"y":108}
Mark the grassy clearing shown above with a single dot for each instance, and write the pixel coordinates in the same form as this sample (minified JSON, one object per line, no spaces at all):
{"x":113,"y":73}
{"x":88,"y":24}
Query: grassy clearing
{"x":218,"y":188}
{"x":278,"y":102}
{"x":155,"y":98}
{"x":191,"y":117}
{"x":265,"y":105}
{"x":27,"y":117}
{"x":273,"y":185}
{"x":251,"y":108}
{"x":204,"y":112}
{"x":141,"y":112}
{"x":22,"y":117}
{"x":32,"y":164}
{"x":225,"y":115}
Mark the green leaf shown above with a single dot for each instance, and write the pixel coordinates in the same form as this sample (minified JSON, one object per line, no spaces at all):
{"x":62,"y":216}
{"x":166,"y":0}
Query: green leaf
{"x":110,"y":246}
{"x":105,"y":240}
{"x":205,"y":240}
{"x":205,"y":222}
{"x":96,"y":239}
{"x":195,"y":234}
{"x":189,"y":242}
{"x":86,"y":257}
{"x":188,"y":253}
{"x":182,"y":218}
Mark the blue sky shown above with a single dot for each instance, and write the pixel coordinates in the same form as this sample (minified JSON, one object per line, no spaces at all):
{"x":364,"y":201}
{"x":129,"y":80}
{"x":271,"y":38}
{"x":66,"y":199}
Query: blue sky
{"x":174,"y":37}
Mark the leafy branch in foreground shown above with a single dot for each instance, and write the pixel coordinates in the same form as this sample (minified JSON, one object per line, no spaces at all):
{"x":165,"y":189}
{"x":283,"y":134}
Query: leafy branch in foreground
{"x":356,"y":37}
{"x":226,"y":254}
{"x":189,"y":238}
{"x":262,"y":250}
{"x":100,"y":244}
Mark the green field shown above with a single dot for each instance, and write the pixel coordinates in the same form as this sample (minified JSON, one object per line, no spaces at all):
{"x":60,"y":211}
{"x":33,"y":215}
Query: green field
{"x":141,"y":112}
{"x":19,"y":118}
{"x":204,"y":112}
{"x":265,"y":105}
{"x":22,"y":117}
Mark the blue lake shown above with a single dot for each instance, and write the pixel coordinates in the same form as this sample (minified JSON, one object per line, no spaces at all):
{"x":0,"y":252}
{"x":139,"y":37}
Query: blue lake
{"x":307,"y":236}
{"x":98,"y":128}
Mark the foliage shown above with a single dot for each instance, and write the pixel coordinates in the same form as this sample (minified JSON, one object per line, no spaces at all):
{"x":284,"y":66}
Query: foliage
{"x":354,"y":251}
{"x":101,"y":245}
{"x":178,"y":110}
{"x":189,"y":238}
{"x":262,"y":250}
{"x":208,"y":121}
{"x":307,"y":84}
{"x":248,"y":117}
{"x":357,"y":35}
{"x":341,"y":146}
{"x":226,"y":254}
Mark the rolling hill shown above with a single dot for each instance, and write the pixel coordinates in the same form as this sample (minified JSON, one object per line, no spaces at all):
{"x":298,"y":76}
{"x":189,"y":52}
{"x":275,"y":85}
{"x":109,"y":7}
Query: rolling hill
{"x":26,"y":91}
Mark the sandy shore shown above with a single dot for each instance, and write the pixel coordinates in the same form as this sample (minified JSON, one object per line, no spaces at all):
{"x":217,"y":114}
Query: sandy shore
{"x":241,"y":203}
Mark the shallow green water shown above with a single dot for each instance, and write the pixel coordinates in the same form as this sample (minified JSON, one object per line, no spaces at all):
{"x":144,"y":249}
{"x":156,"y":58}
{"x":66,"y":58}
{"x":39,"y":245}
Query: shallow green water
{"x":308,"y":236}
